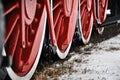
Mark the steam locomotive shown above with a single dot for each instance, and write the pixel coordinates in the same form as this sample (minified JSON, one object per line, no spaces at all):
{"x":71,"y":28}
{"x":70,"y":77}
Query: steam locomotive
{"x":28,"y":27}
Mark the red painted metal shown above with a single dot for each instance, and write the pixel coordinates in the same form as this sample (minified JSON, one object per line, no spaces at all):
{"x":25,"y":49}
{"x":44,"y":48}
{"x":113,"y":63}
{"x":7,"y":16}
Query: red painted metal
{"x":30,"y":10}
{"x":100,"y":8}
{"x":24,"y":30}
{"x":86,"y":19}
{"x":50,"y":22}
{"x":25,"y":24}
{"x":64,"y":16}
{"x":89,"y":5}
{"x":67,"y":7}
{"x":22,"y":20}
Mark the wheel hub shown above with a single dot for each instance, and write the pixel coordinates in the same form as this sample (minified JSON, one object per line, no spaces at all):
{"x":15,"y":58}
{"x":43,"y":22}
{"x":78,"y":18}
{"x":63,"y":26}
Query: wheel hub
{"x":30,"y":9}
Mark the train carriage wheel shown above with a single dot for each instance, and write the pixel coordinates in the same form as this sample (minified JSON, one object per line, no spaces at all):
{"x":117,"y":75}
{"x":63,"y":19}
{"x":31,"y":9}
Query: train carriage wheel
{"x":65,"y":16}
{"x":85,"y":19}
{"x":101,"y":13}
{"x":25,"y":30}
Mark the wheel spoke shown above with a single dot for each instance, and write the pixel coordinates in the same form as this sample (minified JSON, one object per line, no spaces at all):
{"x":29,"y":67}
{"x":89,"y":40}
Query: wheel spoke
{"x":11,"y":25}
{"x":56,"y":4}
{"x":10,"y":7}
{"x":12,"y":46}
{"x":57,"y":29}
{"x":83,"y":10}
{"x":56,"y":15}
{"x":82,"y":2}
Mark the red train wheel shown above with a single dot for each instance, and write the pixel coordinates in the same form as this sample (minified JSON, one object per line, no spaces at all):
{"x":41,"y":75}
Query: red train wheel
{"x":102,"y":8}
{"x":65,"y":16}
{"x":101,"y":13}
{"x":85,"y":19}
{"x":25,"y":29}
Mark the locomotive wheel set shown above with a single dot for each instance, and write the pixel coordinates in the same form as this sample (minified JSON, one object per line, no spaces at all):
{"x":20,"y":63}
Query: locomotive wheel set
{"x":33,"y":24}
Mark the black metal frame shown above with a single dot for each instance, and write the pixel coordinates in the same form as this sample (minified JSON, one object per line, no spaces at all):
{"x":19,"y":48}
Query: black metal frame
{"x":114,"y":17}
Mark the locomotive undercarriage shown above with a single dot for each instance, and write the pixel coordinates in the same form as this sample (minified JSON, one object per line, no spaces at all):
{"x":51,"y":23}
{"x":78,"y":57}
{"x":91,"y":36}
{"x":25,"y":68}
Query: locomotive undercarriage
{"x":50,"y":27}
{"x":114,"y":16}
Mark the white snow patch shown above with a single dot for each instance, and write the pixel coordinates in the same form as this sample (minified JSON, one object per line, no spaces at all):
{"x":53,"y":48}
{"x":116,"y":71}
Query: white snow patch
{"x":102,"y":64}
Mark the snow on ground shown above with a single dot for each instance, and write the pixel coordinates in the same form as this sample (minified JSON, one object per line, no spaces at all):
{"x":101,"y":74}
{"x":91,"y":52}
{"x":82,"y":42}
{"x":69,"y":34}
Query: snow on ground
{"x":95,"y":62}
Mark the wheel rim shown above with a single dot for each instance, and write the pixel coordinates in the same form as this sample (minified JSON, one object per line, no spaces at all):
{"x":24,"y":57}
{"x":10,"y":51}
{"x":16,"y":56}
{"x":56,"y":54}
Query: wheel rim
{"x":85,"y":19}
{"x":64,"y":21}
{"x":100,"y":30}
{"x":24,"y":36}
